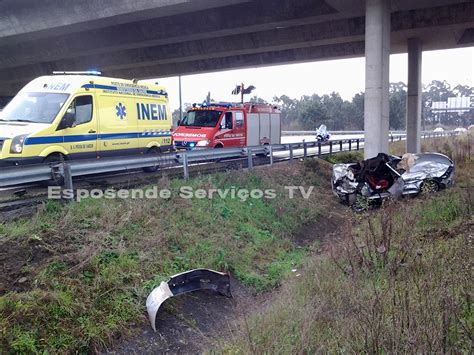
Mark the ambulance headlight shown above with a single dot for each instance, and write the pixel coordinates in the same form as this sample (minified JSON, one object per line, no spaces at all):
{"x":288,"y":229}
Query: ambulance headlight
{"x":17,"y":144}
{"x":204,"y":143}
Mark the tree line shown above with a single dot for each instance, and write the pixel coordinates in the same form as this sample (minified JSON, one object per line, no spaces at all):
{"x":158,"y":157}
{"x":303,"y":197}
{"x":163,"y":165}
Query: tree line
{"x":308,"y":112}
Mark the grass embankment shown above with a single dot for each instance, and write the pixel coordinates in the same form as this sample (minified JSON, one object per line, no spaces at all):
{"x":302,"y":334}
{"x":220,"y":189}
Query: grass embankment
{"x":75,"y":276}
{"x":400,"y":281}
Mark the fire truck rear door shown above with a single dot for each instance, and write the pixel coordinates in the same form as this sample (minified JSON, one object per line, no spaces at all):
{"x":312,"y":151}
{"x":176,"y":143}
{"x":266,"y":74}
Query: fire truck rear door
{"x":275,"y":128}
{"x":264,"y":128}
{"x":253,"y":129}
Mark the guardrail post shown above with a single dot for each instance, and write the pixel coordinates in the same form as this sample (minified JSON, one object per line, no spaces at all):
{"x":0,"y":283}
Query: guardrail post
{"x":305,"y":150}
{"x":270,"y":148}
{"x":319,"y":149}
{"x":185,"y":166}
{"x":391,"y":138}
{"x":330,"y":147}
{"x":358,"y":143}
{"x":350,"y":145}
{"x":291,"y":153}
{"x":250,"y":158}
{"x":340,"y":146}
{"x":68,"y":181}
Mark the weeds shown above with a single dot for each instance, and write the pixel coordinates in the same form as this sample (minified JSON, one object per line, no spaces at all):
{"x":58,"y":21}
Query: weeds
{"x":392,"y":286}
{"x":102,"y":258}
{"x":345,"y":157}
{"x":399,"y":282}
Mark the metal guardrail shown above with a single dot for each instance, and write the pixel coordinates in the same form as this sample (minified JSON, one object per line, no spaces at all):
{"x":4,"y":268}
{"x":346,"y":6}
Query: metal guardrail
{"x":341,"y":133}
{"x":310,"y":133}
{"x":25,"y":175}
{"x":67,"y":170}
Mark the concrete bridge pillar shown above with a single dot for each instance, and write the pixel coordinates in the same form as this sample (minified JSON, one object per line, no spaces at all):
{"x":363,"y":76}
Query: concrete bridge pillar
{"x":414,"y":96}
{"x":377,"y":65}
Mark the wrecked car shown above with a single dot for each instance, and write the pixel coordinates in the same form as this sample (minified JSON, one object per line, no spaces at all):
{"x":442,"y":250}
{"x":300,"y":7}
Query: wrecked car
{"x":373,"y":180}
{"x":189,"y":281}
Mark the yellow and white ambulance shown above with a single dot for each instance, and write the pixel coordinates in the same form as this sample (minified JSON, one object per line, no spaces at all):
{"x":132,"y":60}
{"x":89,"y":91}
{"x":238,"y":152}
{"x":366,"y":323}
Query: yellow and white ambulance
{"x":75,"y":116}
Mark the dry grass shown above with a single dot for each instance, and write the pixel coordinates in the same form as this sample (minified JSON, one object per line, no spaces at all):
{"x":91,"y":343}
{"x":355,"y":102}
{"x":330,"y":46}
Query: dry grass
{"x":399,"y":282}
{"x":88,"y":267}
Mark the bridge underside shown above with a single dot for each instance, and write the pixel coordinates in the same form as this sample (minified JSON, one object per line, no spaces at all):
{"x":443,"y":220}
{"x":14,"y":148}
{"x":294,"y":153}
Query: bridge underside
{"x":150,"y":39}
{"x":183,"y":37}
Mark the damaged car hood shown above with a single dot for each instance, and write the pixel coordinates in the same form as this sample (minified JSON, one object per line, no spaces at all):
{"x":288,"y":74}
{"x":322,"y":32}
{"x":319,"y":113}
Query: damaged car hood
{"x":428,"y":165}
{"x":341,"y":170}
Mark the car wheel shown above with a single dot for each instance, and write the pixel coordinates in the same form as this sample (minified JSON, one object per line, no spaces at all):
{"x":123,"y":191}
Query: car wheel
{"x":152,"y":151}
{"x":429,"y":186}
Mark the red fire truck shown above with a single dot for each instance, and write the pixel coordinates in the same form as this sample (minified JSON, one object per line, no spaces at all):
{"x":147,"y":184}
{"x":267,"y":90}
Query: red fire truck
{"x":226,"y":125}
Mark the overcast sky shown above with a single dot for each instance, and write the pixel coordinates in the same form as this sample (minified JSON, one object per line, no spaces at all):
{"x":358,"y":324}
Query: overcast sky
{"x":345,"y":76}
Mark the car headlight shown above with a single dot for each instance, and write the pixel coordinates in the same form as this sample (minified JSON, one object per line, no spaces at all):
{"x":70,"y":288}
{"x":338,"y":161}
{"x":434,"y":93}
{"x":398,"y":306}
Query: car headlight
{"x":17,"y":144}
{"x":204,"y":143}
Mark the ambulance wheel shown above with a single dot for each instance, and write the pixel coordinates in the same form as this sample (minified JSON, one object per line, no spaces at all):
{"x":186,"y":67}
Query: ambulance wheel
{"x":152,"y":151}
{"x":51,"y":160}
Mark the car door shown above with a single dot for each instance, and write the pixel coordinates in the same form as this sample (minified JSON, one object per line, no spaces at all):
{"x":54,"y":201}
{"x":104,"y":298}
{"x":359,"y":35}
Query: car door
{"x":80,"y":128}
{"x":225,"y":134}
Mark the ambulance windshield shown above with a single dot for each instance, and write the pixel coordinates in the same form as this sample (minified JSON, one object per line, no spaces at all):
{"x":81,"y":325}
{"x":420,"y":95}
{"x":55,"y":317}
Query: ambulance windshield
{"x":36,"y":107}
{"x":205,"y":118}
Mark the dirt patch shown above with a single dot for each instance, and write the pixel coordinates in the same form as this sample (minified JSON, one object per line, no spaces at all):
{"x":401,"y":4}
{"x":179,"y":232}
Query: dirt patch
{"x":23,"y":258}
{"x":195,"y":323}
{"x":190,"y":323}
{"x":8,"y":215}
{"x":19,"y":263}
{"x":326,"y":230}
{"x":452,"y":233}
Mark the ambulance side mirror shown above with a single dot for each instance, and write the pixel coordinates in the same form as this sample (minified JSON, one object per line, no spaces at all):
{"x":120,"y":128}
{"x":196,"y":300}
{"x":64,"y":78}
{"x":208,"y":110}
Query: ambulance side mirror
{"x":68,"y":120}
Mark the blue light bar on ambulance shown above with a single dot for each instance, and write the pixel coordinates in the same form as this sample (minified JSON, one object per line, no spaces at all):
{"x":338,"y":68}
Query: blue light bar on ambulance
{"x":89,"y":72}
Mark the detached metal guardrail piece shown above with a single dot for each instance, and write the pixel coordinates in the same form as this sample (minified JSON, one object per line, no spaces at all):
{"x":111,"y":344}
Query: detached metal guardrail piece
{"x":189,"y":281}
{"x":22,"y":175}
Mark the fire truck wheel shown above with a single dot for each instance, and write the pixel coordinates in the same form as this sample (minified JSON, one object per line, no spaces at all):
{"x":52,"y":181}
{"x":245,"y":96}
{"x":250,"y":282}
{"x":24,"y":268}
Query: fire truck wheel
{"x":218,"y":146}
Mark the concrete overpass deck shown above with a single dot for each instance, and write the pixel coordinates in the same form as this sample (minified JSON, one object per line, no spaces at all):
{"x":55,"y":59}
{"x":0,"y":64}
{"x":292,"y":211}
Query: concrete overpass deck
{"x":173,"y":37}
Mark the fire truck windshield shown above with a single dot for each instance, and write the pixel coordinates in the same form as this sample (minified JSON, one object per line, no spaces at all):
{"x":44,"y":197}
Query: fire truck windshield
{"x":205,"y":118}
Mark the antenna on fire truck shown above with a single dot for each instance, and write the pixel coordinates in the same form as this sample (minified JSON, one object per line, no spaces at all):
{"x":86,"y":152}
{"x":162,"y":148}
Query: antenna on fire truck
{"x":240,"y":89}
